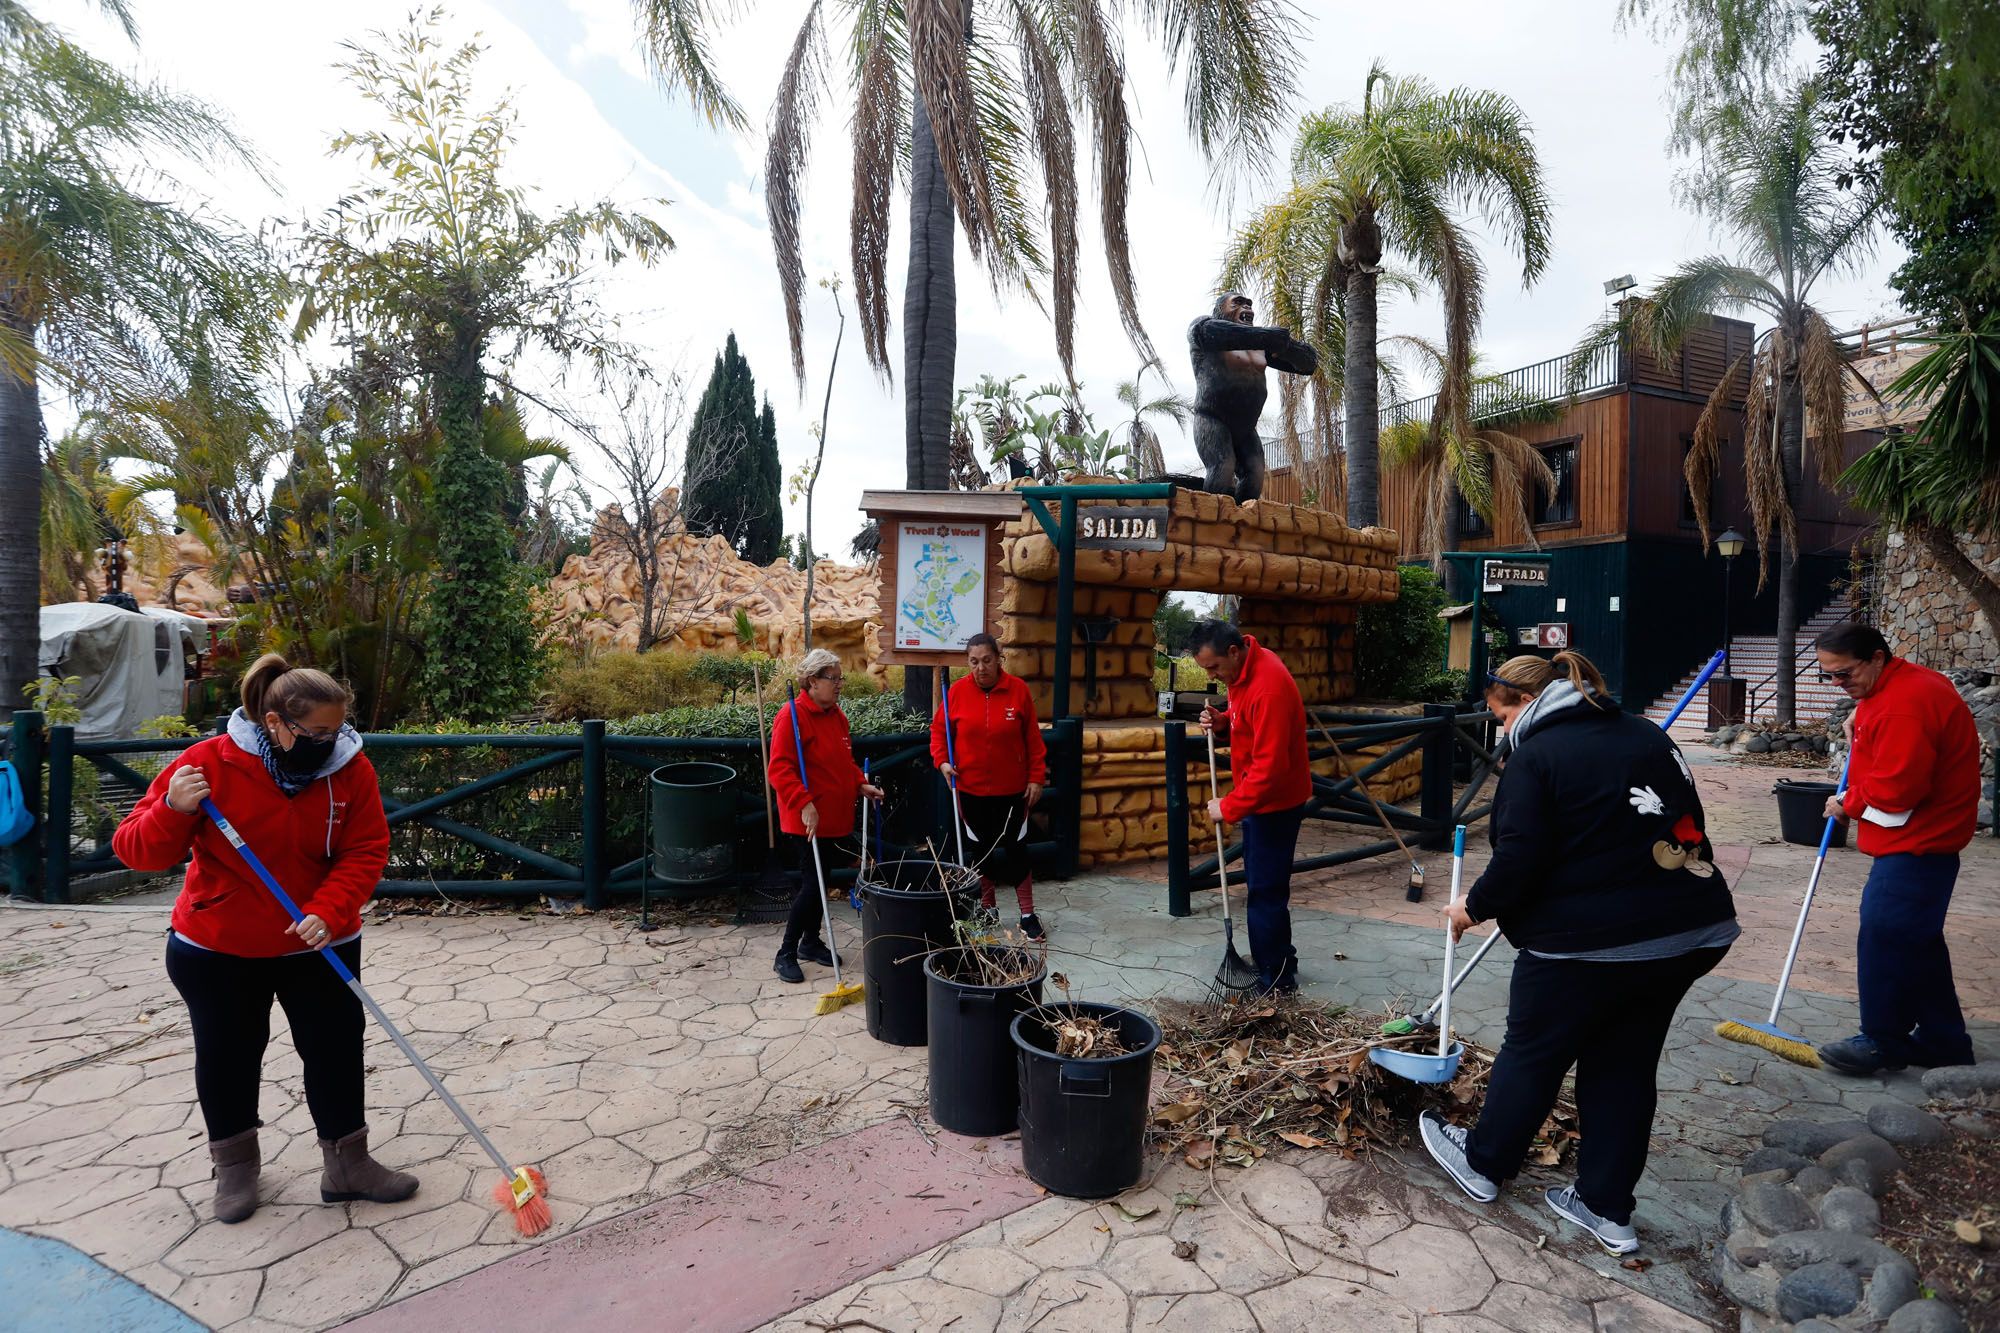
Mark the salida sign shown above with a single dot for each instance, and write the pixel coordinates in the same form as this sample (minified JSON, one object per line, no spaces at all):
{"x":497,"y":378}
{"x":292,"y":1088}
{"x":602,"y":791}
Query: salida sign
{"x":1121,"y":527}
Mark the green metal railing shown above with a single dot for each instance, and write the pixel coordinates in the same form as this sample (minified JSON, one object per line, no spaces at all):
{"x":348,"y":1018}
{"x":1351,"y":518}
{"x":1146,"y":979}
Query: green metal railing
{"x":503,"y":815}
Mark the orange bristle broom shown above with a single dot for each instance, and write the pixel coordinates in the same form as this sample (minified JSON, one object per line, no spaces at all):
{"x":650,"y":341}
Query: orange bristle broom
{"x":524,"y":1192}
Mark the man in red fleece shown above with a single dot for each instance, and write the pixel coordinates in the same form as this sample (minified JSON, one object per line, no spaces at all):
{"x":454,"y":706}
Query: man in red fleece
{"x":1913,"y":790}
{"x":1271,"y":780}
{"x":988,"y":723}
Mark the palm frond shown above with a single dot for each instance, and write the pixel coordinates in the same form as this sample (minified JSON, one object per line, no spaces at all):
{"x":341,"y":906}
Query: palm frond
{"x":1055,"y":148}
{"x":1100,"y":69}
{"x":1704,"y":459}
{"x":881,"y":128}
{"x":785,"y":159}
{"x":675,"y":36}
{"x":1823,"y":372}
{"x":1687,"y":298}
{"x":1240,"y":57}
{"x":941,"y":56}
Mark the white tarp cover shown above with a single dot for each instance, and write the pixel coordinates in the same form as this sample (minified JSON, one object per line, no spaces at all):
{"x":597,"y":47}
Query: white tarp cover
{"x":131,"y":665}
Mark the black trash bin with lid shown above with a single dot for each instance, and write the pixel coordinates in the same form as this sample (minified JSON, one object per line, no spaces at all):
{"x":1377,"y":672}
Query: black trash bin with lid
{"x":975,"y":1084}
{"x":1802,"y":812}
{"x":906,"y":911}
{"x":693,"y":814}
{"x":1083,"y":1122}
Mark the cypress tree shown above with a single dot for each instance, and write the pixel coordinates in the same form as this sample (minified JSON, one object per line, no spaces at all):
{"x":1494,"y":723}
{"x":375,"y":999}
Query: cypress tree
{"x":763,"y":497}
{"x":726,"y":491}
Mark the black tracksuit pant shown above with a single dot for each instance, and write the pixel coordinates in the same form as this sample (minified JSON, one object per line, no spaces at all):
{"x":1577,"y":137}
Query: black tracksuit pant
{"x":229,"y":1006}
{"x":808,"y":903}
{"x":1609,"y":1021}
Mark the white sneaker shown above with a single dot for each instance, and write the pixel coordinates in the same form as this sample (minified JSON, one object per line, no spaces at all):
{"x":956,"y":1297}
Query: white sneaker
{"x":1615,"y":1237}
{"x":1446,"y":1143}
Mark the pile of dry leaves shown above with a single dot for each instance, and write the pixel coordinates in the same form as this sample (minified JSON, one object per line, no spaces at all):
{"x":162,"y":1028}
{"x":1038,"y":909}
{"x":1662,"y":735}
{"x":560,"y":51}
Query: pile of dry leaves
{"x":1237,"y":1078}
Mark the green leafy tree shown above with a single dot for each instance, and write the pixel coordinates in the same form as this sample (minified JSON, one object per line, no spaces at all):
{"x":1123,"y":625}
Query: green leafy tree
{"x":1772,"y":179}
{"x":437,"y":254}
{"x":1399,"y":646}
{"x":969,"y":101}
{"x":104,"y":278}
{"x":1392,"y":176}
{"x":1941,"y":483}
{"x":1173,"y":625}
{"x":734,"y":452}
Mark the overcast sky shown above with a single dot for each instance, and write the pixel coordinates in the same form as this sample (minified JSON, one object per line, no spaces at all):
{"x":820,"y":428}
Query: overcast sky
{"x":592,"y":124}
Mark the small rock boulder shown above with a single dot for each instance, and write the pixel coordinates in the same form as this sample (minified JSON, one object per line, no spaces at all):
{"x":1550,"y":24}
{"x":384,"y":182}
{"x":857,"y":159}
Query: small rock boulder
{"x":1801,"y":1249}
{"x":1775,"y":1159}
{"x":1845,"y":1208}
{"x":1871,"y":1148}
{"x":1814,"y":1181}
{"x":1818,"y":1289}
{"x":1776,"y":1209}
{"x":1926,"y":1317}
{"x":1809,"y":1138}
{"x":1893,"y":1286}
{"x":1904,"y":1126}
{"x":1962,"y":1082}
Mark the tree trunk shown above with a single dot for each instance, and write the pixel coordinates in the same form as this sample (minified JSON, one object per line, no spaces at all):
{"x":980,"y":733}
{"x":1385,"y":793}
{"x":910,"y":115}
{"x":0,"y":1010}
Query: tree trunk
{"x":1952,"y":559}
{"x":930,"y":338}
{"x":1451,"y":574}
{"x":1791,"y":453}
{"x":1361,"y":242}
{"x":20,"y":526}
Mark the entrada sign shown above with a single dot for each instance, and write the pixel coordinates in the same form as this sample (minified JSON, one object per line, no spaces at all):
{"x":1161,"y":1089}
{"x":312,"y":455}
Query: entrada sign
{"x":1116,"y":527}
{"x":1517,"y":575}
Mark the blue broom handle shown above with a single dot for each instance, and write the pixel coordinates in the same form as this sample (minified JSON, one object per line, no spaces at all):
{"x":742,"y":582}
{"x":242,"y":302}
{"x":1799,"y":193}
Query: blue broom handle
{"x":250,"y":857}
{"x":1714,"y":664}
{"x":1812,"y":886}
{"x":799,"y":744}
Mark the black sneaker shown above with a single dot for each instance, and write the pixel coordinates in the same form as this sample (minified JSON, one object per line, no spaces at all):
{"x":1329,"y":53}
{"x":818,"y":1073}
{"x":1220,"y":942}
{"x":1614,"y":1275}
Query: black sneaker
{"x":813,"y":951}
{"x":1859,"y":1057}
{"x":1031,"y":926}
{"x":787,"y":967}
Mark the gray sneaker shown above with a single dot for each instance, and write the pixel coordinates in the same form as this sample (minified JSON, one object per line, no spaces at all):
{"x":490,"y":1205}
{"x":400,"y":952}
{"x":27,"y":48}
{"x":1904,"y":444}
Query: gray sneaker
{"x":1446,"y":1143}
{"x":1615,"y":1237}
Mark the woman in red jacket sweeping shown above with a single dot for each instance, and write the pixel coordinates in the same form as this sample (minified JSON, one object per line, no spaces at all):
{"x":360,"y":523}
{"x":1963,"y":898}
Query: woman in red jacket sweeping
{"x":290,"y":776}
{"x":1001,"y":766}
{"x":820,"y":806}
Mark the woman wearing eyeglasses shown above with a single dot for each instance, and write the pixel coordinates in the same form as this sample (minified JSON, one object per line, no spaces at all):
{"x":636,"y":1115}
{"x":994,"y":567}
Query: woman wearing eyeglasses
{"x":1603,"y":878}
{"x":819,"y":805}
{"x":290,"y":775}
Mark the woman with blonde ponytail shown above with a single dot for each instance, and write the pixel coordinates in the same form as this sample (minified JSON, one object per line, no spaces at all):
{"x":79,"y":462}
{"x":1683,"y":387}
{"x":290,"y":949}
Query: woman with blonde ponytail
{"x":289,"y":774}
{"x":1603,"y":877}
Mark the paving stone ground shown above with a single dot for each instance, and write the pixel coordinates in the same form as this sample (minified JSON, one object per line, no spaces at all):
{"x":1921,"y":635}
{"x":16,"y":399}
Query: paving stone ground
{"x":637,"y":1067}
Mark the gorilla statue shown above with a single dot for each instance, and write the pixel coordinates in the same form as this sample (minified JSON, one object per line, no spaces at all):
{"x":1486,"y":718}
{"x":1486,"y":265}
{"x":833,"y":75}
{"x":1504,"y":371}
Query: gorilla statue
{"x":1230,"y":356}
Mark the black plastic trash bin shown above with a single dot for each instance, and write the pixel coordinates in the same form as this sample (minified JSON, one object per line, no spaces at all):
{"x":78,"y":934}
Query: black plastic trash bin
{"x":1802,"y":812}
{"x":906,"y":912}
{"x":694,"y":823}
{"x":975,"y":1081}
{"x":1083,"y":1122}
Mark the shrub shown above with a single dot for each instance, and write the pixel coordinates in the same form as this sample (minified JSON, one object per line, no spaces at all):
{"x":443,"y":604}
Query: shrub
{"x":624,"y":684}
{"x":1399,"y":646}
{"x":1188,"y":671}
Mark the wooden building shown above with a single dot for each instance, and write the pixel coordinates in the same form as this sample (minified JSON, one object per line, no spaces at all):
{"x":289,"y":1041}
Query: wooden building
{"x":1630,"y":576}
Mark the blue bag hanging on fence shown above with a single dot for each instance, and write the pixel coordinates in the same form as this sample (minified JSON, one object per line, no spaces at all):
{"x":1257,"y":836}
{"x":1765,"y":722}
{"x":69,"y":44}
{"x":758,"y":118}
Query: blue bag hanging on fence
{"x":15,"y":817}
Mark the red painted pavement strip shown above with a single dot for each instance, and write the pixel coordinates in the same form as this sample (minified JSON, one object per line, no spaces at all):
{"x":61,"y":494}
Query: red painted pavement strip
{"x":736,"y":1254}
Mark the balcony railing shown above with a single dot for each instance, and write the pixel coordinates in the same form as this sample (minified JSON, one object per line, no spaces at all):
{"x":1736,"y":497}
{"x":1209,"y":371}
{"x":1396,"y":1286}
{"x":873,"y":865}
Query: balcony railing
{"x":1544,"y":382}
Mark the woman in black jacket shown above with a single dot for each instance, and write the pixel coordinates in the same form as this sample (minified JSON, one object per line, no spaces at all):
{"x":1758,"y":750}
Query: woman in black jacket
{"x":1604,"y":880}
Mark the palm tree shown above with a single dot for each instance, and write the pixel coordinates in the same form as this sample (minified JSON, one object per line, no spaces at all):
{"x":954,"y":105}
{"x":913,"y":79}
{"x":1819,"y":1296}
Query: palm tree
{"x":976,"y":96}
{"x":1773,"y":179}
{"x":1493,"y":469}
{"x":1392,"y":177}
{"x":101,"y":280}
{"x":1142,"y":442}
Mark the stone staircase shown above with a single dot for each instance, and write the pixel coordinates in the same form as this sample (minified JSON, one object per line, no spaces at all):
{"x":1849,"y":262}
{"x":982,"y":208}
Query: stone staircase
{"x":1754,"y":659}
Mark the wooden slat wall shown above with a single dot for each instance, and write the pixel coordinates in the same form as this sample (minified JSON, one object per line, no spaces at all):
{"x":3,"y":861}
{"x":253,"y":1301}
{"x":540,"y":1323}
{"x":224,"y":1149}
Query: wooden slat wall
{"x":1600,"y":482}
{"x":1700,"y":362}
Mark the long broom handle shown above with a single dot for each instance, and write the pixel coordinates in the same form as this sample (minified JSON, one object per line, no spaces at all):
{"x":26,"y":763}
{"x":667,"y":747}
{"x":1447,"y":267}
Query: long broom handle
{"x":1805,"y":904}
{"x":764,"y":756}
{"x":1451,"y":941}
{"x":1714,"y":663}
{"x":208,"y":808}
{"x":825,"y":916}
{"x":951,"y":757}
{"x":1463,"y":973}
{"x":1221,"y":851}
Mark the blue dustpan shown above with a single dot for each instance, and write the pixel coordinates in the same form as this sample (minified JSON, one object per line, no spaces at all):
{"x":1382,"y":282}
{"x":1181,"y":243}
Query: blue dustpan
{"x":1419,"y":1067}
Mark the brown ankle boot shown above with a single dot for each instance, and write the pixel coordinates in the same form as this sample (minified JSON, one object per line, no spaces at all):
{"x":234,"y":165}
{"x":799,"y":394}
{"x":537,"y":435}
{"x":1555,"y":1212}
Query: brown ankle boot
{"x":236,"y":1162}
{"x":352,"y":1174}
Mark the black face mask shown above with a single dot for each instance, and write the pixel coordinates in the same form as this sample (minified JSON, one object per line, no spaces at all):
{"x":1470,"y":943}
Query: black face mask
{"x":306,"y":757}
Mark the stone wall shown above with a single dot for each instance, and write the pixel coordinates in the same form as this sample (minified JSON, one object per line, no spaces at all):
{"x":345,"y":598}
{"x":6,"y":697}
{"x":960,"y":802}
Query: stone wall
{"x":1925,"y":614}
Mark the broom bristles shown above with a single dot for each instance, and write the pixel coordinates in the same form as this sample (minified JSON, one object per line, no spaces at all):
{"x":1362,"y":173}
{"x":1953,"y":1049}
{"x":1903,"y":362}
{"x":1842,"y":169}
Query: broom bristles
{"x":1777,"y":1043}
{"x":838,"y":998}
{"x":533,"y":1217}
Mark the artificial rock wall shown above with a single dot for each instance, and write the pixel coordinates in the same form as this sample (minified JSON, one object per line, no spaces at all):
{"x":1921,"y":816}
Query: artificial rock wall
{"x":1924,"y":612}
{"x":1301,"y":575}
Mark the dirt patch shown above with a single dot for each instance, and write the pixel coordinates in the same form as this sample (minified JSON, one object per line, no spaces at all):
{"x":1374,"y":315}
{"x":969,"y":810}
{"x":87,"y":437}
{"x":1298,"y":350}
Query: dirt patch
{"x":1944,"y":1214}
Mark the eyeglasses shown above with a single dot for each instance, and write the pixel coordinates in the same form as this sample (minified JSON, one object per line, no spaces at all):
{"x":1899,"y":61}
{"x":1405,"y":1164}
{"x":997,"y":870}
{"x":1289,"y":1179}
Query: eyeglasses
{"x":835,"y":679}
{"x":1843,"y":675}
{"x":313,"y":733}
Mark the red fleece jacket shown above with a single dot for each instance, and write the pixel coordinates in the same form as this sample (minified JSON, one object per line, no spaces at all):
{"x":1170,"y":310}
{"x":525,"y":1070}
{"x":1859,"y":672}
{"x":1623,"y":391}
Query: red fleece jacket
{"x":1267,"y":738}
{"x":1916,"y":748}
{"x":327,"y":846}
{"x":831,"y":772}
{"x":995,"y":736}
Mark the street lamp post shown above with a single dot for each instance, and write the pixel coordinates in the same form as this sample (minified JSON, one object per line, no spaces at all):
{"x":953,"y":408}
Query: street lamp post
{"x":1729,"y":545}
